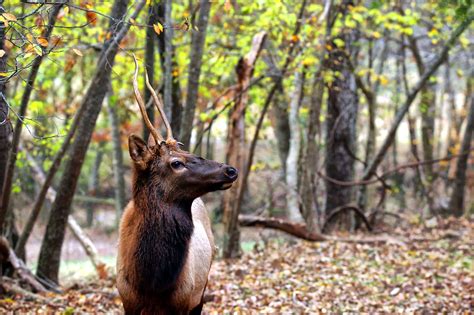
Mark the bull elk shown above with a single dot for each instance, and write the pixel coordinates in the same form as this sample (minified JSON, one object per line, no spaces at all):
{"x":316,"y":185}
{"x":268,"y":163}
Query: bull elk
{"x":165,"y":240}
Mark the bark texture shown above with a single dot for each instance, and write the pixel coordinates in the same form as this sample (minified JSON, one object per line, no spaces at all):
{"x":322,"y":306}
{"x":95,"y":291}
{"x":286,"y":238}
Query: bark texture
{"x":168,"y":65}
{"x":120,"y":197}
{"x":94,"y":182}
{"x":5,"y":125}
{"x":150,"y":37}
{"x":198,"y":38}
{"x":176,"y":106}
{"x":49,"y":257}
{"x":292,"y":196}
{"x":456,"y":204}
{"x":342,"y":106}
{"x":236,"y":146}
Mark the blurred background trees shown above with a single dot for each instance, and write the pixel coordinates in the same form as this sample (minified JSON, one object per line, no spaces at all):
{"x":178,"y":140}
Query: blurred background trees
{"x":335,"y":112}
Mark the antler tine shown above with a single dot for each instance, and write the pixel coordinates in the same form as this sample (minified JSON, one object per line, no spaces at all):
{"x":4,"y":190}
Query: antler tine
{"x":159,"y":106}
{"x":141,"y":104}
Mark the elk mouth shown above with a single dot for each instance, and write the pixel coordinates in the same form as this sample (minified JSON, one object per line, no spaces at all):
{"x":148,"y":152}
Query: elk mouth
{"x":226,"y":186}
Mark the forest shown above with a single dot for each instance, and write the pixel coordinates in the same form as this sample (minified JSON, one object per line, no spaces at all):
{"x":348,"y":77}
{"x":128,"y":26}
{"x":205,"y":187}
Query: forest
{"x":236,"y":156}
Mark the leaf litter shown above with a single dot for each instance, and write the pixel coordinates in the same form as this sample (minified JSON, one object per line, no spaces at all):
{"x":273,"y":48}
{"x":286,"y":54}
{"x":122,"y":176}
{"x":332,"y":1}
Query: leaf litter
{"x":431,"y":274}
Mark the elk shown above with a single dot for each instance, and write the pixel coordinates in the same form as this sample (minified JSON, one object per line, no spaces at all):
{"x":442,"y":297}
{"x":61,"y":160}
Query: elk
{"x":166,"y":244}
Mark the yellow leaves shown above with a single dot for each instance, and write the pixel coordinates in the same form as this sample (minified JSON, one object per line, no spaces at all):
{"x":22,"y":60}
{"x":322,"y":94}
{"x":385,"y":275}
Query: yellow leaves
{"x":42,"y":41}
{"x":309,"y":61}
{"x":464,"y":42}
{"x":158,"y":28}
{"x":434,"y":32}
{"x":77,"y":52}
{"x":7,"y":17}
{"x":133,"y":22}
{"x":66,"y":10}
{"x":295,"y":38}
{"x":383,"y":80}
{"x":376,"y":35}
{"x":227,"y":5}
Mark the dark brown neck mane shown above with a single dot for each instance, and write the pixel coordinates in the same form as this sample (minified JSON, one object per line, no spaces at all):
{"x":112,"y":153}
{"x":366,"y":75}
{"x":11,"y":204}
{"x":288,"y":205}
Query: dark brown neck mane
{"x":163,"y":239}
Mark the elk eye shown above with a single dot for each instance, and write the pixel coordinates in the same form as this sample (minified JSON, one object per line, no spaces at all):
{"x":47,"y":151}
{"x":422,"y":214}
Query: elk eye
{"x":177,"y":165}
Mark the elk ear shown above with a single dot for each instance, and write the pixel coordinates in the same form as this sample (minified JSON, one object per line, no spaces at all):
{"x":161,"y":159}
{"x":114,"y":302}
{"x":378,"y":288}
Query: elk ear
{"x":139,"y":151}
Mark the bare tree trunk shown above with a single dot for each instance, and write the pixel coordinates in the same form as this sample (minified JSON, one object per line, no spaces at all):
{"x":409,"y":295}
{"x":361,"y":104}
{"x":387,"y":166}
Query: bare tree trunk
{"x":281,"y":127}
{"x":177,"y":106}
{"x":5,"y":125}
{"x":372,"y":107}
{"x":198,"y":39}
{"x":456,"y":204}
{"x":279,"y":110}
{"x":50,"y":253}
{"x":168,"y":65}
{"x":427,"y":110}
{"x":236,"y":146}
{"x":30,"y":82}
{"x":343,"y":103}
{"x":292,"y":195}
{"x":150,"y":36}
{"x":94,"y":182}
{"x":120,"y":198}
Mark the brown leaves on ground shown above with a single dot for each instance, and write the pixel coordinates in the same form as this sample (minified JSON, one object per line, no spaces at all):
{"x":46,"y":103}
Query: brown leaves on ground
{"x":302,"y":277}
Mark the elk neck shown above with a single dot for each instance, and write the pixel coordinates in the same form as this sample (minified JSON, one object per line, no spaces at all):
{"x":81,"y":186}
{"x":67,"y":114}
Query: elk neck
{"x":163,"y":238}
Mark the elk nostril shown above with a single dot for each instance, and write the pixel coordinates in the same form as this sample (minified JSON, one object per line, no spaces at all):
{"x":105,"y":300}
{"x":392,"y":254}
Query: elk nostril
{"x":230,"y":172}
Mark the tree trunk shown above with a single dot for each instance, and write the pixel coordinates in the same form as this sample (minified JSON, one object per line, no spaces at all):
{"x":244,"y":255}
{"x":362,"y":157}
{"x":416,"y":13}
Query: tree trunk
{"x":456,"y":204}
{"x":120,"y":197}
{"x":198,"y":39}
{"x":343,"y":103}
{"x":50,"y":253}
{"x":168,"y":65}
{"x":236,"y":146}
{"x":176,"y":106}
{"x":279,"y":110}
{"x":372,"y":107}
{"x":427,"y":109}
{"x":281,"y":127}
{"x":311,"y":154}
{"x":150,"y":36}
{"x":94,"y":182}
{"x":30,"y":82}
{"x":292,"y":195}
{"x":5,"y":125}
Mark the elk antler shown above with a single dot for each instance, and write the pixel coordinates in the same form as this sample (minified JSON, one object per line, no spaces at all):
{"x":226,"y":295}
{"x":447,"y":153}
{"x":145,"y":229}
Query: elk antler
{"x":158,"y":138}
{"x":159,"y":106}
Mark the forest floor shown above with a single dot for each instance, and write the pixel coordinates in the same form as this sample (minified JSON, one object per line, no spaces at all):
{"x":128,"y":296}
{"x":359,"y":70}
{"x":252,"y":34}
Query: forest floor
{"x":416,"y":269}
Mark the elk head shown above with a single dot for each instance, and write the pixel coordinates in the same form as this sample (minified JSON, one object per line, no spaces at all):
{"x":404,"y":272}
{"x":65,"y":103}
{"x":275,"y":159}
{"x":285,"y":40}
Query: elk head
{"x":161,"y":164}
